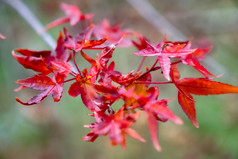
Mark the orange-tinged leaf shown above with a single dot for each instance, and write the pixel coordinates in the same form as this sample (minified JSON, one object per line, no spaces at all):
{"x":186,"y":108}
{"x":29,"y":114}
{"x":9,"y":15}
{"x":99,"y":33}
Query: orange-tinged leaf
{"x":188,"y":107}
{"x":203,"y":86}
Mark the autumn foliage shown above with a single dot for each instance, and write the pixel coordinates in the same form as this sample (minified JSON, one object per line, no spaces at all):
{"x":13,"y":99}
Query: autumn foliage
{"x":101,"y":85}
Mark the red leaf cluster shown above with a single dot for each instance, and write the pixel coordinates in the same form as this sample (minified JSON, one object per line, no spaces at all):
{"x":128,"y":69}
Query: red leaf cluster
{"x":101,"y":86}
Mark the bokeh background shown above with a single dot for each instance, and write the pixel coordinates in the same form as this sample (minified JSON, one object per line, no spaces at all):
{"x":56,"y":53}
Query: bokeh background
{"x":54,"y":130}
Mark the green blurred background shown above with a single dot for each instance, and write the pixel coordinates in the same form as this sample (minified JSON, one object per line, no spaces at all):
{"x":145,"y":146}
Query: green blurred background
{"x":54,"y":130}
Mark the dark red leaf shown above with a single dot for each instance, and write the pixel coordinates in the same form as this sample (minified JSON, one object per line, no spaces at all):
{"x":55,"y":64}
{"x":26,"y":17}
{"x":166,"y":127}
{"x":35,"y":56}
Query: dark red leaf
{"x":34,"y":63}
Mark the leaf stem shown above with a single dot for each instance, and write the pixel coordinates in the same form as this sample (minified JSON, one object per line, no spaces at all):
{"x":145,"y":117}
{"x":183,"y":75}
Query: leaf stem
{"x":69,"y":80}
{"x":141,"y":64}
{"x":94,"y":48}
{"x":156,"y":68}
{"x":75,"y":63}
{"x":147,"y":82}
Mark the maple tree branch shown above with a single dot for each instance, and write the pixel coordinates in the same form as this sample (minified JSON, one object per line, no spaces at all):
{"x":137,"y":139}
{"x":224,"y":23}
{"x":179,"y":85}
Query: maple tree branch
{"x":31,"y":19}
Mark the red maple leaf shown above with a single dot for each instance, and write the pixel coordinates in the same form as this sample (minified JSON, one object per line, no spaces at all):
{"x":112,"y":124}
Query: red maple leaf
{"x":164,"y":51}
{"x":113,"y":33}
{"x":196,"y":86}
{"x":73,"y":16}
{"x":154,"y":109}
{"x":116,"y":126}
{"x":43,"y":83}
{"x":82,"y":41}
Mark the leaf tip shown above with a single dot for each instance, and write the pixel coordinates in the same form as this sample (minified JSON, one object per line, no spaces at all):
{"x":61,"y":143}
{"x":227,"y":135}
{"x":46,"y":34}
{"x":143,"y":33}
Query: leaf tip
{"x":158,"y":148}
{"x":179,"y":121}
{"x":195,"y":123}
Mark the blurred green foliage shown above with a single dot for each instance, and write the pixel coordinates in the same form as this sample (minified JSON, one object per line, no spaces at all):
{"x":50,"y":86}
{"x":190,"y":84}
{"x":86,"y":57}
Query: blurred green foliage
{"x":54,"y":130}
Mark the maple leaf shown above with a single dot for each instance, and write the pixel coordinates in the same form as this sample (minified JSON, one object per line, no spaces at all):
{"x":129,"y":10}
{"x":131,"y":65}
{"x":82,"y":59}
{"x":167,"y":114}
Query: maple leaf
{"x":196,"y":86}
{"x":164,"y":51}
{"x":116,"y":126}
{"x":73,"y":16}
{"x":43,"y":83}
{"x":41,"y":61}
{"x":114,"y":33}
{"x":82,"y":41}
{"x":83,"y":86}
{"x":153,"y":109}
